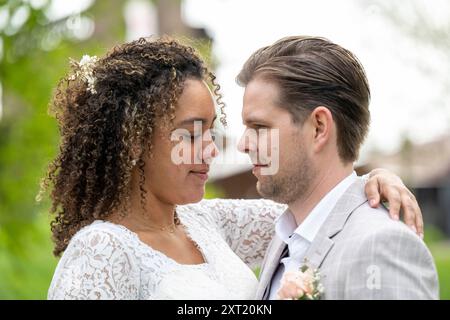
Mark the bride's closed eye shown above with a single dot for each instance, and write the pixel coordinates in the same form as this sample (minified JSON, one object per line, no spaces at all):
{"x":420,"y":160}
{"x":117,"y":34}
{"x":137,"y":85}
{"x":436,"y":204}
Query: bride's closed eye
{"x":191,"y":136}
{"x":194,"y":137}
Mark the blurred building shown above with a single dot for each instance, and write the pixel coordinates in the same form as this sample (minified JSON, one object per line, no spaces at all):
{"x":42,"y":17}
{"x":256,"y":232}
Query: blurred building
{"x":425,"y":168}
{"x":145,"y":18}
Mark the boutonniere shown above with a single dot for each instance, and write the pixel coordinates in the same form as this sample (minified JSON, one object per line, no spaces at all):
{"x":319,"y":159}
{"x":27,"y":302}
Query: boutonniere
{"x":303,"y":284}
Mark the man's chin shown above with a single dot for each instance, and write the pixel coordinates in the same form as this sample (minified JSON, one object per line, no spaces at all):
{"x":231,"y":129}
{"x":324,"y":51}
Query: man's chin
{"x":263,"y":190}
{"x":268,"y":190}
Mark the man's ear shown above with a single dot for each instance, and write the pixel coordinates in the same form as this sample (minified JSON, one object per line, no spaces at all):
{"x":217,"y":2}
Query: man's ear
{"x":322,"y":121}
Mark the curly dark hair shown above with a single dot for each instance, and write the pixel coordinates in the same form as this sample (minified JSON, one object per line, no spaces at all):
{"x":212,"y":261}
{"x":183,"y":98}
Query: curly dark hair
{"x":137,"y":86}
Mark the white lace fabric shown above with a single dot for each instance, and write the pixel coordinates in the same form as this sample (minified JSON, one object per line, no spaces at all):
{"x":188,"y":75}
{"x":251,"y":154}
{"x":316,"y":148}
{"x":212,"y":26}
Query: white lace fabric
{"x":108,"y":261}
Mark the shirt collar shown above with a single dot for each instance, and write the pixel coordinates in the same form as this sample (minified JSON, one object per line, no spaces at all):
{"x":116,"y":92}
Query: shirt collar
{"x":286,"y":226}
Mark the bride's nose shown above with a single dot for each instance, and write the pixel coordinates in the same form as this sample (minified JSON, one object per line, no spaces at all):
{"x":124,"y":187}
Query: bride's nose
{"x":209,"y":148}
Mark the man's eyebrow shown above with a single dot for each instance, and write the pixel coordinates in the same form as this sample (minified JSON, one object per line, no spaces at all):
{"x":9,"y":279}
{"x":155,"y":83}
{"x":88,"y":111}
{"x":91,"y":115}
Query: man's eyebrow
{"x":193,"y":119}
{"x":253,"y":119}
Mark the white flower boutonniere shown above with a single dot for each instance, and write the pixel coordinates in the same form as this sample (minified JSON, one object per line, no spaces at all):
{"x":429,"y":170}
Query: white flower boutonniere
{"x":303,"y":284}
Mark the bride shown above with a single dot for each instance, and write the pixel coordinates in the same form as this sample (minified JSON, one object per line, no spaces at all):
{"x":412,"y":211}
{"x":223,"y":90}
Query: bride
{"x":131,"y":224}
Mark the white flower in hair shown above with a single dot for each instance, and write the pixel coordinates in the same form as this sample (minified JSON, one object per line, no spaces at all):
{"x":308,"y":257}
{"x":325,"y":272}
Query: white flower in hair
{"x":84,"y":69}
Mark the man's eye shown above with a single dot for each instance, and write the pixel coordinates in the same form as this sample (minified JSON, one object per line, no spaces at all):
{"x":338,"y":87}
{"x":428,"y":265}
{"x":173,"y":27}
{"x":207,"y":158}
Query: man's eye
{"x":260,"y":126}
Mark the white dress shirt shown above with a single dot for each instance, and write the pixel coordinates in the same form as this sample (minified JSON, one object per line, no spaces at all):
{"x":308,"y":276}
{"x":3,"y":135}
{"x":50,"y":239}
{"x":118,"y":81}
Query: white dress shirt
{"x":299,"y":238}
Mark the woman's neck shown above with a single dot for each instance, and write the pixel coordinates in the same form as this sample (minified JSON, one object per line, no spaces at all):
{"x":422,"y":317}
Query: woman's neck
{"x":157,"y":213}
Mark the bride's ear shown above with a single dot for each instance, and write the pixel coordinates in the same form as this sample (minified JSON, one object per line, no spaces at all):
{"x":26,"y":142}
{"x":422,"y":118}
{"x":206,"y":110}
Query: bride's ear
{"x":136,"y":152}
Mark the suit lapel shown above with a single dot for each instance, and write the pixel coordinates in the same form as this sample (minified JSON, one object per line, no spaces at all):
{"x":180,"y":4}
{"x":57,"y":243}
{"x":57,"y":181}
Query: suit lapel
{"x":346,"y":205}
{"x":318,"y":250}
{"x":322,"y":243}
{"x":272,"y":261}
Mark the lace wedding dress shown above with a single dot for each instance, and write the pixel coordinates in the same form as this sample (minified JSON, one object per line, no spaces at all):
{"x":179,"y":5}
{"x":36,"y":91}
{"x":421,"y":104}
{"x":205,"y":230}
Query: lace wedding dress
{"x":108,"y":261}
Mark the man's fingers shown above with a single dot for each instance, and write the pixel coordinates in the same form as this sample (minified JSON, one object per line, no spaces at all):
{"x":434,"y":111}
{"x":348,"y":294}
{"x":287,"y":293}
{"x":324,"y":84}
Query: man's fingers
{"x":419,"y":224}
{"x":418,"y":214}
{"x":395,"y":202}
{"x":409,"y":212}
{"x":372,"y":192}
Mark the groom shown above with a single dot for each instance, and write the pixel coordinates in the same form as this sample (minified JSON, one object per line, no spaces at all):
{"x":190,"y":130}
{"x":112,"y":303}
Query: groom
{"x":316,"y":94}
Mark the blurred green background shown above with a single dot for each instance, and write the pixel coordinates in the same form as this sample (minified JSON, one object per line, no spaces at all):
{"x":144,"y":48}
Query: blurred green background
{"x":34,"y":52}
{"x":34,"y":55}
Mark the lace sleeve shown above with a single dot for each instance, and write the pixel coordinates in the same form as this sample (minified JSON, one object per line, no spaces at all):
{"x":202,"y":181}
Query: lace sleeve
{"x":247,"y":225}
{"x":95,"y":266}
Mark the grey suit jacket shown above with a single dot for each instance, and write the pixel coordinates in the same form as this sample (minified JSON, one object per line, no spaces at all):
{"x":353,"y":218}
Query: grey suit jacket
{"x":361,"y":253}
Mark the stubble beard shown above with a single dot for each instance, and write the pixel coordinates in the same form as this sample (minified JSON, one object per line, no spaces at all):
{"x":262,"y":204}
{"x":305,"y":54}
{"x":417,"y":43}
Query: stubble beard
{"x":291,"y":183}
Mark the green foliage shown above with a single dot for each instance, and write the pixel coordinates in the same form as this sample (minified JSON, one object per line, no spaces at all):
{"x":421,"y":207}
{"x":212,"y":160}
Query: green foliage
{"x":441,"y":254}
{"x":29,"y":71}
{"x":440,"y":249}
{"x":433,"y":235}
{"x":26,"y":273}
{"x":213,"y":192}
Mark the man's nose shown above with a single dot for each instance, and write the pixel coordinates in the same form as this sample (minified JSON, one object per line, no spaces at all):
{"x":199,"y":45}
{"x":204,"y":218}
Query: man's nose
{"x":247,"y":142}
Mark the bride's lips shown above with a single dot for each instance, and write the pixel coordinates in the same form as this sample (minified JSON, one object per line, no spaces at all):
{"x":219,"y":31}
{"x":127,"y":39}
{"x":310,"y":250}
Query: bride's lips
{"x":201,"y":174}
